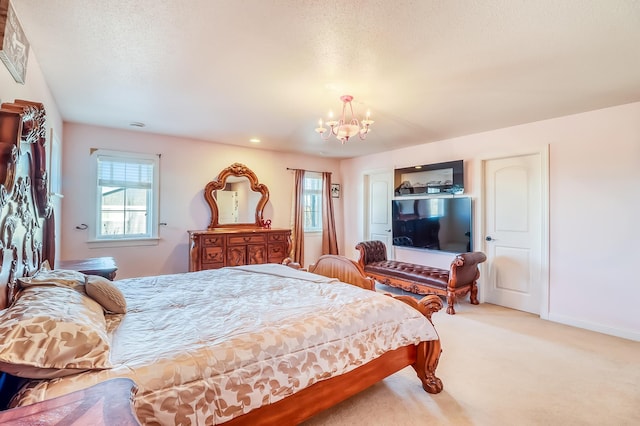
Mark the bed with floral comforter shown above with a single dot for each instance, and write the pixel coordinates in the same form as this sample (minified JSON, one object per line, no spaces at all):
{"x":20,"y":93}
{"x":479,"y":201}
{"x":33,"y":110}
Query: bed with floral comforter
{"x":208,"y":347}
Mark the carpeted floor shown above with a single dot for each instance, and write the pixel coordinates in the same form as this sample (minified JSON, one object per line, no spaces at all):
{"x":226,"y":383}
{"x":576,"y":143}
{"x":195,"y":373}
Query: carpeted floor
{"x":505,"y":367}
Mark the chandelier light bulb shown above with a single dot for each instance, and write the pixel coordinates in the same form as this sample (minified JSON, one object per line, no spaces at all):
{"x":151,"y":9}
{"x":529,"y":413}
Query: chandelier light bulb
{"x":320,"y":129}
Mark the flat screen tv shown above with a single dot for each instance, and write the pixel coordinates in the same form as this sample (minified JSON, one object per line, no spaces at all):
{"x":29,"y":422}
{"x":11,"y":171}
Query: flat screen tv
{"x":439,"y":223}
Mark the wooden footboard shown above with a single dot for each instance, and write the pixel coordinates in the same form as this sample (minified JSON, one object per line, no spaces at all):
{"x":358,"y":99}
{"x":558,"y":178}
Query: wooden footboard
{"x":306,"y":403}
{"x":327,"y":393}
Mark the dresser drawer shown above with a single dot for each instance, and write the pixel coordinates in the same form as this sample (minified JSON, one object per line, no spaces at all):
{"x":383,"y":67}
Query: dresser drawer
{"x":212,"y":240}
{"x":275,"y":238}
{"x":277,"y":252}
{"x":246,"y":239}
{"x":212,"y":254}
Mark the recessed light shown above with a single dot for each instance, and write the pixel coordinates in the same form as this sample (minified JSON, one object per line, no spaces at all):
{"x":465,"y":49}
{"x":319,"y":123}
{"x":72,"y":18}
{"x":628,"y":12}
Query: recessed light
{"x":418,"y":167}
{"x":136,"y":124}
{"x":254,"y":140}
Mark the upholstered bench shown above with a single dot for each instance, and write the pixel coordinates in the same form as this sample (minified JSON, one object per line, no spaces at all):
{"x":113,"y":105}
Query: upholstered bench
{"x":460,"y":279}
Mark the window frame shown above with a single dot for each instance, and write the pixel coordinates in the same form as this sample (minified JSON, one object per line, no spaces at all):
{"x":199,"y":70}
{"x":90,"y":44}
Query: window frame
{"x":152,"y":237}
{"x":315,"y":176}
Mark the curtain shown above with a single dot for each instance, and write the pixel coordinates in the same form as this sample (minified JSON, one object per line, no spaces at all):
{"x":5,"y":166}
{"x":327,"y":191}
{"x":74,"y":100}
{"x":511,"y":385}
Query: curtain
{"x":297,"y":213}
{"x":329,"y":240}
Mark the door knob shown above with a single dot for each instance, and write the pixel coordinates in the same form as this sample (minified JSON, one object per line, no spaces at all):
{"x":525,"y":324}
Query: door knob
{"x":488,"y":238}
{"x":388,"y":230}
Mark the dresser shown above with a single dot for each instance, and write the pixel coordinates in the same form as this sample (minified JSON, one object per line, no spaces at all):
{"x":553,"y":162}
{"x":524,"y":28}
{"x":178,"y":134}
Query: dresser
{"x":215,"y":248}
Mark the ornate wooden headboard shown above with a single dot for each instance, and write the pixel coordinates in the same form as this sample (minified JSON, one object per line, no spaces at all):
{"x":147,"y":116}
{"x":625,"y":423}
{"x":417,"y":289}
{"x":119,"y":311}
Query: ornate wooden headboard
{"x":26,"y":213}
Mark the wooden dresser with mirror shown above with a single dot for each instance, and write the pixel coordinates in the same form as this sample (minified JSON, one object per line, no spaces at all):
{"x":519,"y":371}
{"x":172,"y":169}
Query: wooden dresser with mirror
{"x":237,"y":234}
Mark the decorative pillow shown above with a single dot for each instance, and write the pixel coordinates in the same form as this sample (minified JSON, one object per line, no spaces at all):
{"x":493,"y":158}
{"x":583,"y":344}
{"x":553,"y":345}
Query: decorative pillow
{"x":58,"y":277}
{"x":53,"y":331}
{"x":106,"y":293}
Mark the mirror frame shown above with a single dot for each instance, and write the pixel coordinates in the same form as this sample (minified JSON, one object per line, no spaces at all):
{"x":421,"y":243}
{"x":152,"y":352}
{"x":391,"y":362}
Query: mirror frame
{"x":238,"y":170}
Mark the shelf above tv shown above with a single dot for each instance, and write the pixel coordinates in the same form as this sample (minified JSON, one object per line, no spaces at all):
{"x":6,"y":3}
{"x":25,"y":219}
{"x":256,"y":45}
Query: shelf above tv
{"x":426,"y":196}
{"x":430,"y":179}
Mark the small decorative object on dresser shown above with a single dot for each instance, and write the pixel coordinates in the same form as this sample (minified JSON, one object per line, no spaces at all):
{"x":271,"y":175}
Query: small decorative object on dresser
{"x":237,"y":234}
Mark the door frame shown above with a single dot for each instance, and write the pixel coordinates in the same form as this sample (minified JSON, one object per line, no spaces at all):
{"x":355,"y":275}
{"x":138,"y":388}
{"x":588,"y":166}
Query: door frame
{"x":543,"y":152}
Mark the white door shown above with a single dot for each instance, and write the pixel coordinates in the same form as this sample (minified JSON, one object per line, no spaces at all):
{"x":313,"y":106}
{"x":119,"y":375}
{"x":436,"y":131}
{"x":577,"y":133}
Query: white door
{"x":380,"y":188}
{"x":513,"y":239}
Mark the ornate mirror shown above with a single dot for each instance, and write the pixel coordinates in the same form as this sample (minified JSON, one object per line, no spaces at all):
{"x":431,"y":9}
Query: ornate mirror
{"x":236,"y":198}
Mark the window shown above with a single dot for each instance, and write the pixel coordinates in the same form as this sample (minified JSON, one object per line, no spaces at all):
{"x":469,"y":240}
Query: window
{"x":126,"y":196}
{"x":312,"y":202}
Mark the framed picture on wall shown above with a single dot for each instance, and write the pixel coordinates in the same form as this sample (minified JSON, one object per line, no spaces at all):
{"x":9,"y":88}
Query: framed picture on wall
{"x":13,"y":43}
{"x":335,"y":190}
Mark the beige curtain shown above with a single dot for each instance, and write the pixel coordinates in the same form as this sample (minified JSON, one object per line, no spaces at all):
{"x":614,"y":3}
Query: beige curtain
{"x":329,"y":240}
{"x":297,"y":213}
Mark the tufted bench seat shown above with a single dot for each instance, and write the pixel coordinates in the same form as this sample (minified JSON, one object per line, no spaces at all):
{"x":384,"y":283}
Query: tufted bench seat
{"x":460,"y":279}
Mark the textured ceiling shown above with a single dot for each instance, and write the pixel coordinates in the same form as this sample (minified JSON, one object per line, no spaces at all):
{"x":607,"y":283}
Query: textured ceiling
{"x":227,"y":70}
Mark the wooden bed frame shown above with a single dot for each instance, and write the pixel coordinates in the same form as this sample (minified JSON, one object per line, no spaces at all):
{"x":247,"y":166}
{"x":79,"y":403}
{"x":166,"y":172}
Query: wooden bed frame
{"x":327,"y":393}
{"x":26,"y":239}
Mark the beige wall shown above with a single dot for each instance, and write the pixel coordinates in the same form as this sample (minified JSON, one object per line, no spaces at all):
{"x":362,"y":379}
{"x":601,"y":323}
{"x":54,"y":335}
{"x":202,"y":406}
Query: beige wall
{"x":185,"y":168}
{"x":594,"y":177}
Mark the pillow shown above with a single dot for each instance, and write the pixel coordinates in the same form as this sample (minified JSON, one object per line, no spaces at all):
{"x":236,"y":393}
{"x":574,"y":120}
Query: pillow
{"x":53,"y":331}
{"x":58,"y":277}
{"x":106,"y":293}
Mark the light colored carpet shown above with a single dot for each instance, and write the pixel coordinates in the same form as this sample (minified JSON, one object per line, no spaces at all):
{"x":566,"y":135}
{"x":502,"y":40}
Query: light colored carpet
{"x":505,"y":367}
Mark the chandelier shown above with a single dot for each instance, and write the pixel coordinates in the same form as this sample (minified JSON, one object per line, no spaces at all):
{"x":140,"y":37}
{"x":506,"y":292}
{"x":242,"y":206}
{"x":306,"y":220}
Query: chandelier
{"x":344,"y":129}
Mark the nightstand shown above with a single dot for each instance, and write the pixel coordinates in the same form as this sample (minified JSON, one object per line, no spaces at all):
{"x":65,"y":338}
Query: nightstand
{"x":103,"y":266}
{"x":107,"y":403}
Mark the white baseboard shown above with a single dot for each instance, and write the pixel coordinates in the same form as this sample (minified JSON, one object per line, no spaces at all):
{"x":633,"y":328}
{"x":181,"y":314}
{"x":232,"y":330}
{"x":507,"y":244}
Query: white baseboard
{"x":618,"y":332}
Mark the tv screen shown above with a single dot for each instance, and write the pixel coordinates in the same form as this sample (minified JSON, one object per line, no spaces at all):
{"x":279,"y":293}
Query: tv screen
{"x":433,"y":224}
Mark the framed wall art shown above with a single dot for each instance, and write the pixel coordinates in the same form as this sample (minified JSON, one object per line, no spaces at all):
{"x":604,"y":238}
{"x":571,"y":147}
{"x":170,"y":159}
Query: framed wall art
{"x":13,"y":42}
{"x":335,"y":190}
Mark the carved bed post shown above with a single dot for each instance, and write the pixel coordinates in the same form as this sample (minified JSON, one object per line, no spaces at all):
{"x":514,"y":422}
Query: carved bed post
{"x":428,"y":353}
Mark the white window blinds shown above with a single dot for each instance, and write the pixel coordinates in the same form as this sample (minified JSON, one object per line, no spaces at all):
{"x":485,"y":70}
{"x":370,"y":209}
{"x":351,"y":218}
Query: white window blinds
{"x":125,"y":173}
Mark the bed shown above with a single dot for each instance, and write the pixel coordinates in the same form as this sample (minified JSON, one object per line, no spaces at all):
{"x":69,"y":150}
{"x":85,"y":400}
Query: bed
{"x":259,"y":344}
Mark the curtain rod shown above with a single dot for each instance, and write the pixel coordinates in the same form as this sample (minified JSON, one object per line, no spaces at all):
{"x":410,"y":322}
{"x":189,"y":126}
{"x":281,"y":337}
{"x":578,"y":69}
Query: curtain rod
{"x":313,"y":171}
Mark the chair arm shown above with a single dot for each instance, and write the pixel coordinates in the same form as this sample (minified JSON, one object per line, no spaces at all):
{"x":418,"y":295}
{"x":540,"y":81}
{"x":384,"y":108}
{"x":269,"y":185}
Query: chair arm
{"x":371,"y":251}
{"x":464,"y":268}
